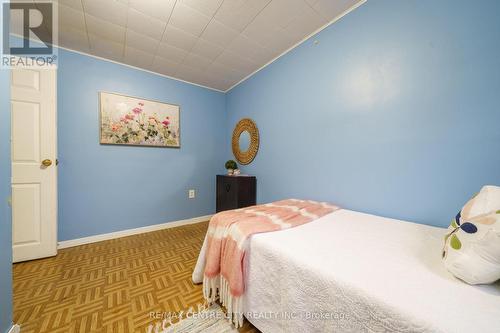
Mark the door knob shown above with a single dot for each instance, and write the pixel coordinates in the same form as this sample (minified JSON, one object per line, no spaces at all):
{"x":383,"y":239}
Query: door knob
{"x":47,"y":162}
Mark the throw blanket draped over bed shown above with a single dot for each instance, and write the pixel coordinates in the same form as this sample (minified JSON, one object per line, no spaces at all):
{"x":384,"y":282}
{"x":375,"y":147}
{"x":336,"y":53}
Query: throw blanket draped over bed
{"x":225,"y":245}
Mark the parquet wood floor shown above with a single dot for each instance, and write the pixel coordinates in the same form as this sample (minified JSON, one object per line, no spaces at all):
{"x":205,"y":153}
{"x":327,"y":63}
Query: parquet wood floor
{"x":111,"y":286}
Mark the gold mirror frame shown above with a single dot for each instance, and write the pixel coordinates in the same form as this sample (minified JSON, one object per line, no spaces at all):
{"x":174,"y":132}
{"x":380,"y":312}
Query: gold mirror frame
{"x":245,"y":124}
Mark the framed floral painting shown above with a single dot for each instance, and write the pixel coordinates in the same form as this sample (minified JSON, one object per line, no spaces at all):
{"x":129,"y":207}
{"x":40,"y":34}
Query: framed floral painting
{"x":127,"y":120}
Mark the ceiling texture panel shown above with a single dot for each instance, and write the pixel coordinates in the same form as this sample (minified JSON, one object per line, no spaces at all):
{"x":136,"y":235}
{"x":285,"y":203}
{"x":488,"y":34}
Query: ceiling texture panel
{"x":213,"y":43}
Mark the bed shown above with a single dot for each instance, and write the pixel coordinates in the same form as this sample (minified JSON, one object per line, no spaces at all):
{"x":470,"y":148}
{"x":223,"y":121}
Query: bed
{"x":355,"y":272}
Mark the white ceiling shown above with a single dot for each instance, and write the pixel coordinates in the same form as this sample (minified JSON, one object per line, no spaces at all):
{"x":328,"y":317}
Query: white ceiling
{"x":213,"y":43}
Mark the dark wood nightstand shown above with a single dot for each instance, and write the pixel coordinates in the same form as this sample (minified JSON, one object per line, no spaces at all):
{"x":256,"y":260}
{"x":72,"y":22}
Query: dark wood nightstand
{"x":235,"y":192}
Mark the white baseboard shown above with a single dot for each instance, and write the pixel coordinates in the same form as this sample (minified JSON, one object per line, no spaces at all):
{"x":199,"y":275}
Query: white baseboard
{"x":130,"y":232}
{"x":14,"y":329}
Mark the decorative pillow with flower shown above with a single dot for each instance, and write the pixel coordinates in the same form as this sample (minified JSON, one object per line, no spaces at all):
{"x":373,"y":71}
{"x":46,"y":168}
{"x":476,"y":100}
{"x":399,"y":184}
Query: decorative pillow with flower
{"x":472,"y":246}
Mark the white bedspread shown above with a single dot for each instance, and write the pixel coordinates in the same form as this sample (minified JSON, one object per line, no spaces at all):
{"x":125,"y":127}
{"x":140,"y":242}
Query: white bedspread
{"x":368,"y":273}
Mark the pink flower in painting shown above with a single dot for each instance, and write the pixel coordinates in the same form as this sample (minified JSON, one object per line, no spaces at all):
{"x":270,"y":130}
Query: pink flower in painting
{"x":116,"y":127}
{"x":137,"y":110}
{"x":153,"y":120}
{"x":165,"y":122}
{"x":129,"y":116}
{"x":124,"y":120}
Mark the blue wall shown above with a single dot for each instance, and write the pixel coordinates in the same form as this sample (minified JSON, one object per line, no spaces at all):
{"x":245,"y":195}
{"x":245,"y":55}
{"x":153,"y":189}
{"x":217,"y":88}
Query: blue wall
{"x":5,"y":212}
{"x":395,"y":112}
{"x":106,"y":188}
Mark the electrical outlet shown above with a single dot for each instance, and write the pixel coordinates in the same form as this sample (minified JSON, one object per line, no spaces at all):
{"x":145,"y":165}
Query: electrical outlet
{"x":191,"y":194}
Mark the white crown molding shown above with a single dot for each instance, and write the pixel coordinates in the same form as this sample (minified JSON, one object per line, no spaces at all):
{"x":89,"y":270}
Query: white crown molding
{"x":130,"y":232}
{"x":14,"y":329}
{"x":335,"y":19}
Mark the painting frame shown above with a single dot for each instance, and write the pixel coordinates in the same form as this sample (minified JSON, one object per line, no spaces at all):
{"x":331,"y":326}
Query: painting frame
{"x":101,"y":125}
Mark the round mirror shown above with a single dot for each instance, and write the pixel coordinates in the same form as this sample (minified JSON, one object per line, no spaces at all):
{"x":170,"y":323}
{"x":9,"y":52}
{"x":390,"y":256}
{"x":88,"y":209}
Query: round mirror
{"x":244,"y":141}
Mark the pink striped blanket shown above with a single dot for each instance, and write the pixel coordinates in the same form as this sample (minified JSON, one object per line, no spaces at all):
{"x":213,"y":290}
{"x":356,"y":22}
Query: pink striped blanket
{"x":226,"y":239}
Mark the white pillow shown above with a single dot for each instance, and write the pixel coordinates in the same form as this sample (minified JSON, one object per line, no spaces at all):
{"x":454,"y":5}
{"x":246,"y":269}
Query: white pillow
{"x":486,"y":201}
{"x":472,"y":247}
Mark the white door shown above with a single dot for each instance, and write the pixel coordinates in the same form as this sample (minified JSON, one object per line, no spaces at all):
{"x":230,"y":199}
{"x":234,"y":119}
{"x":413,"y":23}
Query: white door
{"x":34,"y":172}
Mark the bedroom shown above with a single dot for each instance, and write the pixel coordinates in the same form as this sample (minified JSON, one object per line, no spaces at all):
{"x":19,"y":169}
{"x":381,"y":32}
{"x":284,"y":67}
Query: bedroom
{"x":385,"y":111}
